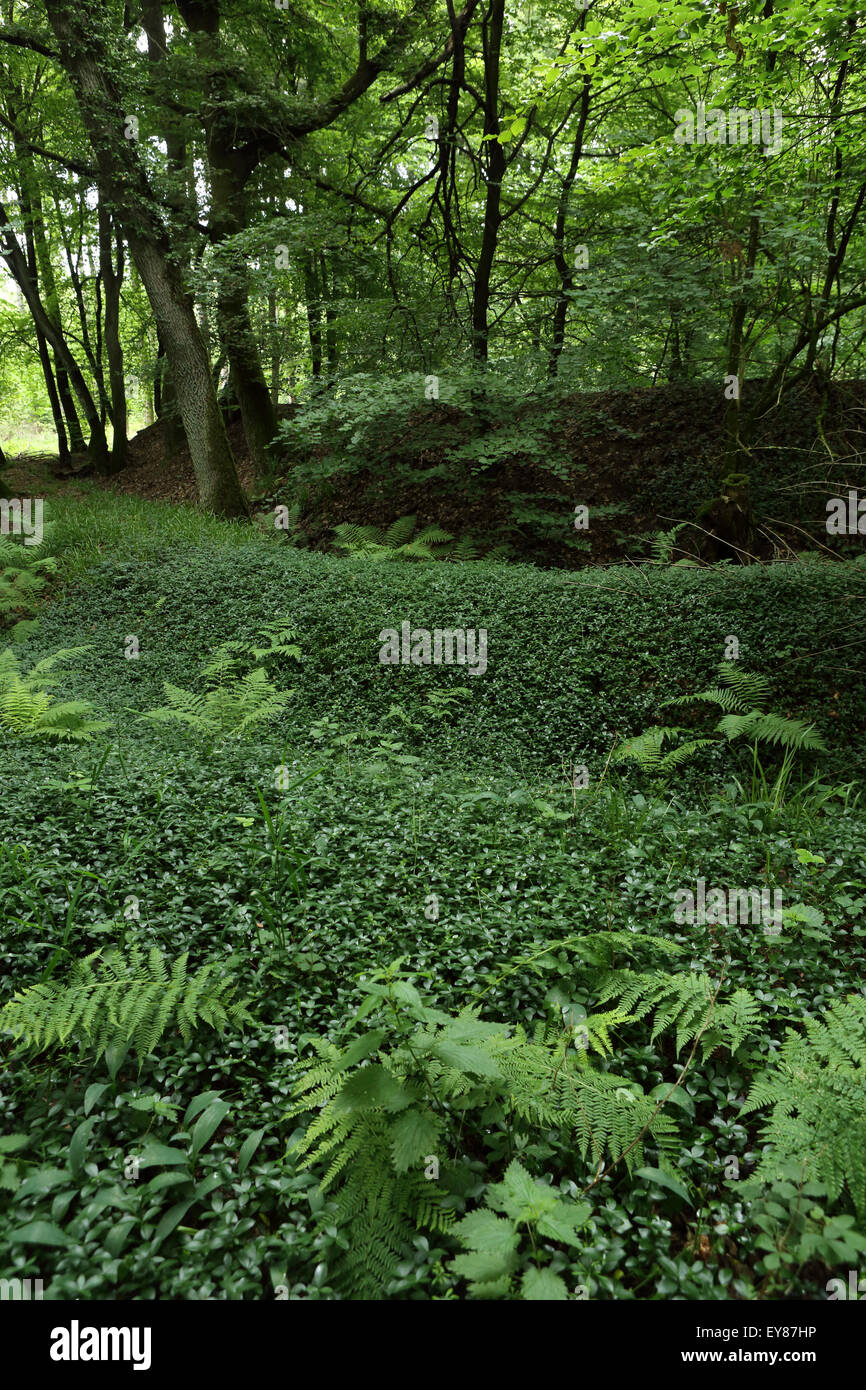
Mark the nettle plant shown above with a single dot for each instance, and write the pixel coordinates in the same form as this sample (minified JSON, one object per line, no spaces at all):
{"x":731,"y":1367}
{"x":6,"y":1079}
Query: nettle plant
{"x":411,"y":1117}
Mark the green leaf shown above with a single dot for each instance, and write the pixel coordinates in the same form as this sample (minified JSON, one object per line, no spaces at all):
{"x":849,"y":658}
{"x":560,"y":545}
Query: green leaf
{"x":248,"y":1148}
{"x":361,"y":1048}
{"x":117,"y":1236}
{"x":562,"y":1222}
{"x":78,"y":1146}
{"x":204,"y":1189}
{"x":520,"y":1196}
{"x":39,"y":1233}
{"x":663,"y":1179}
{"x":154,"y":1154}
{"x":11,"y":1143}
{"x":370,"y":1088}
{"x":168,"y":1179}
{"x":487,"y":1233}
{"x":172,"y":1218}
{"x":108,"y":1197}
{"x":197,"y":1104}
{"x":413,"y":1136}
{"x":115,"y":1056}
{"x":543,"y":1286}
{"x":481,"y":1266}
{"x":207,"y":1124}
{"x":93,"y":1094}
{"x":465,"y":1059}
{"x":42,"y":1181}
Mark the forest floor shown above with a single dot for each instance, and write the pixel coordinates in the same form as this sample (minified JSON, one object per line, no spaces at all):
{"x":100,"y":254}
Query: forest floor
{"x":415,"y":815}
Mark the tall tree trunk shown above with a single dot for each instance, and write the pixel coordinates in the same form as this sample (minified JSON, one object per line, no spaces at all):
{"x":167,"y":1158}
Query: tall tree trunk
{"x":736,"y":357}
{"x":738,"y":423}
{"x":229,"y":172}
{"x":563,"y":269}
{"x":73,"y":260}
{"x":47,"y":278}
{"x":42,"y":270}
{"x":54,"y":400}
{"x":329,"y":298}
{"x":274,"y":324}
{"x":112,"y":280}
{"x":247,"y":375}
{"x":123,"y":183}
{"x":166,"y":406}
{"x":57,"y":406}
{"x":495,"y":154}
{"x":4,"y":491}
{"x":313,"y":298}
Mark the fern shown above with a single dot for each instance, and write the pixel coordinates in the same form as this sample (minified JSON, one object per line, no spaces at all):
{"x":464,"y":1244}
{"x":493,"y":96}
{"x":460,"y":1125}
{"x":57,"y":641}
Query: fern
{"x":400,"y":542}
{"x":232,"y":701}
{"x":817,"y":1094}
{"x":744,"y":702}
{"x":647,"y":749}
{"x":758,"y":727}
{"x":27,"y":707}
{"x":663,"y":543}
{"x":742,"y":697}
{"x":113,"y":999}
{"x":688,"y":1002}
{"x":23,"y":571}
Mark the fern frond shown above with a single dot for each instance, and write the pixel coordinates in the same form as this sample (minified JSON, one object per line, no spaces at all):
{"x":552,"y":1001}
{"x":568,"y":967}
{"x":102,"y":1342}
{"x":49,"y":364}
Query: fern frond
{"x":399,"y":532}
{"x":772,"y":728}
{"x":115,"y":998}
{"x":646,"y":748}
{"x":725,"y":699}
{"x":816,"y":1092}
{"x":752,"y":688}
{"x":28,"y":708}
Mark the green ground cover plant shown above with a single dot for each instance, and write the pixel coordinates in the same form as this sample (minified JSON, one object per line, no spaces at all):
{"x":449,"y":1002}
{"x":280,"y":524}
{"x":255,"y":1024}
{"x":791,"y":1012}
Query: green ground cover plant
{"x":452,"y":1041}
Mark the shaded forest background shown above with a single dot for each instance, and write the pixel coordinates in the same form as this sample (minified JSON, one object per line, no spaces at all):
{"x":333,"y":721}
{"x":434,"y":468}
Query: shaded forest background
{"x":374,"y":262}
